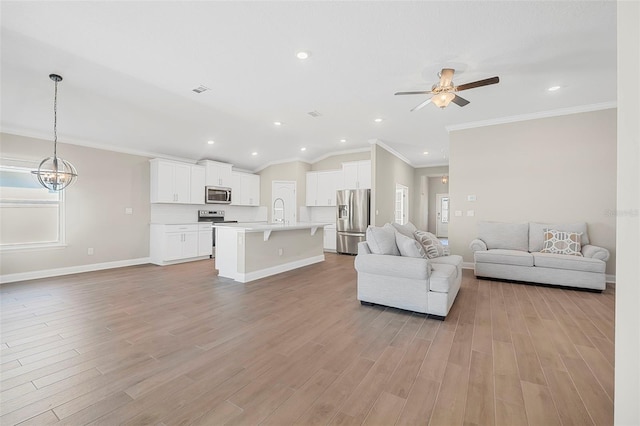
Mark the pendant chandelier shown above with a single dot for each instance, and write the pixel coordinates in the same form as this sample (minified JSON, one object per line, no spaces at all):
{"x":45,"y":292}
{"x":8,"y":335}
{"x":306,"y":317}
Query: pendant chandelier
{"x":445,"y":179}
{"x":54,"y":173}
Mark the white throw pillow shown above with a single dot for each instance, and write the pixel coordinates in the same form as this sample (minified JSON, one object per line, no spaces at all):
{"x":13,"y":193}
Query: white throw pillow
{"x":409,"y":247}
{"x":382,"y":240}
{"x":431,"y":244}
{"x":407,"y":230}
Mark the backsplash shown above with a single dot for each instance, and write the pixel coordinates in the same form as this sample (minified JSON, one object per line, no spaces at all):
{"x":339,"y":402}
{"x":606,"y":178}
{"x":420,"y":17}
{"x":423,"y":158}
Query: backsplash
{"x":186,"y":213}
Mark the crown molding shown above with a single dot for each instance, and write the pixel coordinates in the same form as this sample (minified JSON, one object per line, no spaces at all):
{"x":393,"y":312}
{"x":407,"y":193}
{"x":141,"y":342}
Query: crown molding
{"x":532,"y":116}
{"x":275,"y":163}
{"x":391,"y":150}
{"x":344,"y":152}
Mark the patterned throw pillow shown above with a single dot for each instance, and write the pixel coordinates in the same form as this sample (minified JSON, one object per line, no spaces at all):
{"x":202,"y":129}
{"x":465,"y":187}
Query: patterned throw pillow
{"x":431,"y":244}
{"x":560,"y":242}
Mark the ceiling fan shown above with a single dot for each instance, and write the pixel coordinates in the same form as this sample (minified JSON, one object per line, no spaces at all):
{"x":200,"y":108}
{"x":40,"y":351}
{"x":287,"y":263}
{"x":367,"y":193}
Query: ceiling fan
{"x":445,"y":92}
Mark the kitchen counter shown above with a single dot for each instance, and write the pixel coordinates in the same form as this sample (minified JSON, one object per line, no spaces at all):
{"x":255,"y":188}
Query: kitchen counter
{"x":250,"y":251}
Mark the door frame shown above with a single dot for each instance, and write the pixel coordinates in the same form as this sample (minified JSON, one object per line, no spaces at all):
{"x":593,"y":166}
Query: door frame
{"x":439,"y":226}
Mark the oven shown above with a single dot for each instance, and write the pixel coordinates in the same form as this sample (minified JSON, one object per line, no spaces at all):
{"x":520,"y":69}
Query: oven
{"x":213,"y":216}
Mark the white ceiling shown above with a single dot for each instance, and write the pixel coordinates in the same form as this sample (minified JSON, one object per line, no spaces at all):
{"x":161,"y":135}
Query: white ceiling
{"x":129,"y":68}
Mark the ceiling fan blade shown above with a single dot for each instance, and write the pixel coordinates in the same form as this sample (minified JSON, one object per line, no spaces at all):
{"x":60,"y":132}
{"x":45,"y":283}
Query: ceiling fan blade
{"x":459,"y":101}
{"x":446,"y":76}
{"x":479,"y":83}
{"x":428,"y":92}
{"x":417,"y":107}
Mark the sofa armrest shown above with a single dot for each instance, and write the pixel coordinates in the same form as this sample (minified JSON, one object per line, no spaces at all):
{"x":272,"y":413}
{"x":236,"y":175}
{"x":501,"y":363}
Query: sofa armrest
{"x":595,"y":252}
{"x":477,"y":245}
{"x":393,"y":266}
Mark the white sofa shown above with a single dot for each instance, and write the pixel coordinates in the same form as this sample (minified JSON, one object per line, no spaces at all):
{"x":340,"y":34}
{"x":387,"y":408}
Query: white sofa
{"x":512,"y":251}
{"x":423,"y":285}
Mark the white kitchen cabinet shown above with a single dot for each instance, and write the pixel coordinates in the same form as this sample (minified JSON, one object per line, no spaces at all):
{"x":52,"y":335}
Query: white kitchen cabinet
{"x":330,"y":238}
{"x":217,"y":174}
{"x":245,"y":189}
{"x":176,"y":183}
{"x":172,"y":243}
{"x":205,"y":240}
{"x":198,"y":175}
{"x":321,"y":188}
{"x":356,"y":175}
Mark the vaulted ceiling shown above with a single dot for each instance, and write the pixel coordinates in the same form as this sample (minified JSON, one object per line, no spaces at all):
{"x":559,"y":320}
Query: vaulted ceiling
{"x":129,"y":69}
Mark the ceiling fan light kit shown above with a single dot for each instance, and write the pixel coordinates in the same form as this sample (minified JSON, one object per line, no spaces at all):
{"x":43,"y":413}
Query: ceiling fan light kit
{"x":444,"y":92}
{"x":54,"y":173}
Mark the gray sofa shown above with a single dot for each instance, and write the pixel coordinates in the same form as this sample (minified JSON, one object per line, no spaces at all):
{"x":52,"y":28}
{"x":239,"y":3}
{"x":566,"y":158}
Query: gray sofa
{"x":512,"y":251}
{"x":428,"y":286}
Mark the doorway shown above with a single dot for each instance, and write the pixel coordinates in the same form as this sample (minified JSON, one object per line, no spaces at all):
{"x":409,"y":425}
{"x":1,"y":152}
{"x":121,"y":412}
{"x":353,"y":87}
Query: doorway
{"x":283,"y":201}
{"x":442,"y":215}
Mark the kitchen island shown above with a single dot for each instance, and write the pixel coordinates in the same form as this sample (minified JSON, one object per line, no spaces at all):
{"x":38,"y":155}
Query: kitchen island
{"x":250,"y":251}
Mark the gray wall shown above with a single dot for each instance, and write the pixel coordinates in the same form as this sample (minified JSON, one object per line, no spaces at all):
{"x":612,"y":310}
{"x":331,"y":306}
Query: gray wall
{"x":422,"y":207}
{"x":558,"y":169}
{"x":108,"y":182}
{"x":334,"y":162}
{"x":291,"y":171}
{"x":627,"y":371}
{"x":387,"y":170}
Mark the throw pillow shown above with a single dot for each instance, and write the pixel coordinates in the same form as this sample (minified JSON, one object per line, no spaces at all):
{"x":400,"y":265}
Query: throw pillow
{"x":431,"y":244}
{"x":409,"y":247}
{"x":382,"y":240}
{"x":407,"y":229}
{"x":560,"y":242}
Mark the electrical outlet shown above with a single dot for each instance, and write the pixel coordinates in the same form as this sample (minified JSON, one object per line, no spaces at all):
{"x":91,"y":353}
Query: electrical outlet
{"x":128,"y":210}
{"x":90,"y":251}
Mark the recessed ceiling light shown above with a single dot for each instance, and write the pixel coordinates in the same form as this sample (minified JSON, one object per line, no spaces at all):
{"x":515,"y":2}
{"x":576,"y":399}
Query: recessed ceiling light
{"x":302,"y":54}
{"x":254,"y":153}
{"x":277,"y":123}
{"x":343,"y":140}
{"x":303,"y":149}
{"x":378,"y":120}
{"x":211,"y":142}
{"x":553,"y":88}
{"x":425,"y":153}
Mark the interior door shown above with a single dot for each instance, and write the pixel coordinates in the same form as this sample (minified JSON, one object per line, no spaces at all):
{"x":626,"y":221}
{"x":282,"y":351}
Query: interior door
{"x":442,"y":215}
{"x":285,"y":191}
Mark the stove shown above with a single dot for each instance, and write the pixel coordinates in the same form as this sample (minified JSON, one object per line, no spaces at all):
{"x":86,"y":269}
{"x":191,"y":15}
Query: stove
{"x":213,"y":216}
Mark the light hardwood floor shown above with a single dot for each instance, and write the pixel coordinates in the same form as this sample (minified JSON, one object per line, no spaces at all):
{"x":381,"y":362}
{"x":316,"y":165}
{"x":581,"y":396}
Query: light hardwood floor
{"x":178,"y":345}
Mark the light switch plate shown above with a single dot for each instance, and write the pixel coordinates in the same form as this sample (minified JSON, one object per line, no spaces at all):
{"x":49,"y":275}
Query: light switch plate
{"x":471,"y":213}
{"x":128,"y":210}
{"x":471,"y":197}
{"x":458,"y":213}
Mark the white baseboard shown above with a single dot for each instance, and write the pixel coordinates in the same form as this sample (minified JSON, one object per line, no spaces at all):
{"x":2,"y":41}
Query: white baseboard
{"x":47,"y":273}
{"x":267,"y":272}
{"x":467,"y":265}
{"x":610,"y":278}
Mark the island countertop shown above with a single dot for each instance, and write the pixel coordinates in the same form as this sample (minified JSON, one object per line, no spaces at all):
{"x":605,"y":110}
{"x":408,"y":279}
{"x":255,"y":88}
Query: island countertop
{"x":264,"y":226}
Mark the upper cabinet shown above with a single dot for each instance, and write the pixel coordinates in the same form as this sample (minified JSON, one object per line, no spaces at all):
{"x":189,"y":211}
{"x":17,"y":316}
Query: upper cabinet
{"x":356,"y":175}
{"x":245,"y":189}
{"x":322,"y":186}
{"x":217,"y":174}
{"x":176,"y":183}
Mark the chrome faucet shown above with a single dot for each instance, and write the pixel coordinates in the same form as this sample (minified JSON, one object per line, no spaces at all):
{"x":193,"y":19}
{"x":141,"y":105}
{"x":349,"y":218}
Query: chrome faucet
{"x":274,"y":210}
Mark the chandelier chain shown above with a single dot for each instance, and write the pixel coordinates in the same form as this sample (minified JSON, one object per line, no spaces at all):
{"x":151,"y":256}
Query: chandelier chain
{"x":55,"y":119}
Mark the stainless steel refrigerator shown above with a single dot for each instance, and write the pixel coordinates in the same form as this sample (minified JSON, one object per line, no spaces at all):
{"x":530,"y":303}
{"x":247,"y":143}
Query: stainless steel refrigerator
{"x":352,"y":219}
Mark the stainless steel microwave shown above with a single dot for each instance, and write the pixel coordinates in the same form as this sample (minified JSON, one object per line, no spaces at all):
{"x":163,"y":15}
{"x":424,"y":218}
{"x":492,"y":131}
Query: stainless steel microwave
{"x":217,"y":195}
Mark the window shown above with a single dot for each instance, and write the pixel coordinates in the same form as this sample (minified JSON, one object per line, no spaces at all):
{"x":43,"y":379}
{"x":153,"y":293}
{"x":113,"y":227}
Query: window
{"x":32,"y":216}
{"x":401,"y":204}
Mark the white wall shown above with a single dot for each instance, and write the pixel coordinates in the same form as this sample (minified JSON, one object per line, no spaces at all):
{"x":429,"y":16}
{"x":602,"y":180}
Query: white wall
{"x":627,"y":372}
{"x":555,"y":170}
{"x":108,"y":182}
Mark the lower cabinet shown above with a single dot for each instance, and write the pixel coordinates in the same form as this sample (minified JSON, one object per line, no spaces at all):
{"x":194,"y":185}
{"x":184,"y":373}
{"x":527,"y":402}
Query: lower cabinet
{"x":330,"y":238}
{"x":176,"y":243}
{"x":205,"y":240}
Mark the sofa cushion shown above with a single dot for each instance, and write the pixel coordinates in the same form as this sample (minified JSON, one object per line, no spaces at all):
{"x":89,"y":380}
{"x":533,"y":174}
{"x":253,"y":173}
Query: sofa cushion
{"x":432,"y":245}
{"x":568,"y":262}
{"x":508,"y":236}
{"x":407,"y":229}
{"x":382,"y":240}
{"x":536,"y":233}
{"x":560,"y":242}
{"x":505,"y":257}
{"x":409,"y":247}
{"x":442,"y":277}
